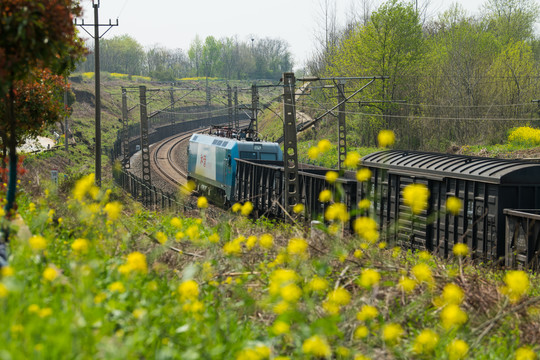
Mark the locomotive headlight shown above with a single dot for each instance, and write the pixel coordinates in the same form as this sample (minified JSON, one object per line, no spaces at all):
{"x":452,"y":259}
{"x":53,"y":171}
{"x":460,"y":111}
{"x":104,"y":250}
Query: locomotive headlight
{"x":257,"y":147}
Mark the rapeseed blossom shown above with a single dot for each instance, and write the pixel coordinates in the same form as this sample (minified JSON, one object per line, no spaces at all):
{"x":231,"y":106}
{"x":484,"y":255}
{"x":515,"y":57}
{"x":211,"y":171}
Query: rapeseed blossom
{"x":366,"y":228}
{"x":352,"y":160}
{"x":317,"y":284}
{"x":176,"y":222}
{"x":266,"y":241}
{"x":7,"y":271}
{"x":453,"y":316}
{"x":113,"y":210}
{"x":316,"y":346}
{"x":361,"y":332}
{"x":525,"y":353}
{"x":516,"y":285}
{"x":324,"y":145}
{"x":80,"y":246}
{"x":392,"y":333}
{"x":369,"y":278}
{"x":50,"y":273}
{"x":452,"y":294}
{"x":367,"y":312}
{"x":364,"y":204}
{"x":331,"y":177}
{"x":386,"y":138}
{"x":188,"y":290}
{"x":406,"y":284}
{"x":37,"y":243}
{"x":236,"y":207}
{"x":425,"y":342}
{"x":422,"y":273}
{"x":298,"y":208}
{"x":337,"y":211}
{"x":135,"y":262}
{"x":339,"y":296}
{"x":202,"y":202}
{"x":84,"y":186}
{"x":3,"y":291}
{"x":297,"y":247}
{"x":325,"y":196}
{"x":313,"y":152}
{"x":416,"y":197}
{"x":457,"y":349}
{"x":453,"y":205}
{"x":247,"y":208}
{"x":117,"y":286}
{"x":251,"y":241}
{"x":280,"y":327}
{"x":460,"y":250}
{"x":363,"y":175}
{"x":161,"y":237}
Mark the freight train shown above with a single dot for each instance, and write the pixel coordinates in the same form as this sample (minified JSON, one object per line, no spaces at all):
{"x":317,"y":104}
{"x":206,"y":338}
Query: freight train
{"x":212,"y":162}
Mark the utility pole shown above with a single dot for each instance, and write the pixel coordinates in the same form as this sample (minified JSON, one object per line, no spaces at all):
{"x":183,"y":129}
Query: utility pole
{"x":229,"y":106}
{"x":235,"y":112}
{"x":125,"y":130}
{"x":290,"y":151}
{"x":96,"y":36}
{"x":342,"y":128}
{"x":145,"y":145}
{"x":254,"y":106}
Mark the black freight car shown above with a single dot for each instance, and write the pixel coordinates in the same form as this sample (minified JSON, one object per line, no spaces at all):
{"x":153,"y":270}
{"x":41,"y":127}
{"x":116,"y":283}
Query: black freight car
{"x":485,"y":186}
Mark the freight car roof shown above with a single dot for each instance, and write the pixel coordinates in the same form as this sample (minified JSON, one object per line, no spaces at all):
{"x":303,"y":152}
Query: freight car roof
{"x":436,"y":165}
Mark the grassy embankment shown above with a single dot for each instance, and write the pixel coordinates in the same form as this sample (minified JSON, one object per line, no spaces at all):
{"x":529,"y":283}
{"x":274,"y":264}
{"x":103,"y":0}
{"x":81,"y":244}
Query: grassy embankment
{"x":92,"y":276}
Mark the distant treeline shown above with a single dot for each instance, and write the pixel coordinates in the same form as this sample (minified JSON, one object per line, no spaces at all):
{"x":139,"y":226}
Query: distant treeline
{"x":226,"y":58}
{"x":454,"y":78}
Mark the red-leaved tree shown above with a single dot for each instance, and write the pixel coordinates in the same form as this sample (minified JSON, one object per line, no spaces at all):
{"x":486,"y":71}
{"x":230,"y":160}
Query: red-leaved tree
{"x":38,"y":44}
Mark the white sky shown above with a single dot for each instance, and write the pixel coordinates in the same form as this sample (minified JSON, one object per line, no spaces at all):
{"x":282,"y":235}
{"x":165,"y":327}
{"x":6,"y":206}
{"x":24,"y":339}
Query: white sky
{"x":174,"y":23}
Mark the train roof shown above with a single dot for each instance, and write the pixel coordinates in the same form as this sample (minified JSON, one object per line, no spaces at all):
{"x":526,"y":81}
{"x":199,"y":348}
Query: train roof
{"x":437,"y":166}
{"x":226,"y":143}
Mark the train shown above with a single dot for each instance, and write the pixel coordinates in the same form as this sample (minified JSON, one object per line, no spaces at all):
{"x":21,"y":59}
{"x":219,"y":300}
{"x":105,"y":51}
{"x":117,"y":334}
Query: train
{"x":212,"y":161}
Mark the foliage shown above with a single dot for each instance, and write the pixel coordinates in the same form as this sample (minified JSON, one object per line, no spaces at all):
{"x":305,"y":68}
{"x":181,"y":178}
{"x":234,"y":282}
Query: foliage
{"x":525,"y":135}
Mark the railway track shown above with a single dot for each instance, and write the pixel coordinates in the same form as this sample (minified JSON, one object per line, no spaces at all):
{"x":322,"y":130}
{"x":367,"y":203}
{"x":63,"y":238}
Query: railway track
{"x":164,"y":162}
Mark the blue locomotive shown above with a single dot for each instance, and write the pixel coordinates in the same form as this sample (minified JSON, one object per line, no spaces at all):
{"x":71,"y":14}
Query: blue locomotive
{"x":212,"y":165}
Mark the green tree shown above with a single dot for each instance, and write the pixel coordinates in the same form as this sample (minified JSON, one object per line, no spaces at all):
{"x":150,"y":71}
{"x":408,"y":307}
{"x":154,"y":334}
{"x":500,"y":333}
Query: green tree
{"x":122,"y":54}
{"x":211,"y":56}
{"x":511,"y":20}
{"x":195,"y":54}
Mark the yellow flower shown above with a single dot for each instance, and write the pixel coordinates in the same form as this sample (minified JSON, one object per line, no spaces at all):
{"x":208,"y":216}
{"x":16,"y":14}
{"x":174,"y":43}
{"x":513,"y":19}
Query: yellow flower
{"x":517,"y":285}
{"x":366,"y":228}
{"x":139,"y":313}
{"x":316,"y":346}
{"x":424,"y":255}
{"x":33,"y":308}
{"x":317,"y":284}
{"x":136,"y":262}
{"x":31,"y":207}
{"x":460,"y":250}
{"x":363,"y":175}
{"x":280,"y":327}
{"x":202,"y":202}
{"x":457,"y":349}
{"x":298,"y":208}
{"x":7,"y":271}
{"x":361,"y":357}
{"x":80,"y":246}
{"x":281,"y":307}
{"x":214,"y":238}
{"x":351,"y":160}
{"x":358,"y":253}
{"x":176,"y":222}
{"x":452,"y":316}
{"x":452,"y":294}
{"x":453,"y":205}
{"x":425,"y":342}
{"x":407,"y":284}
{"x":188,"y":187}
{"x":324,"y":145}
{"x":392,"y":333}
{"x":236,"y":207}
{"x":364,"y":204}
{"x":369,"y":278}
{"x":37,"y":243}
{"x":83,"y":187}
{"x":251,"y":242}
{"x":337,"y":211}
{"x":188,"y":290}
{"x":50,"y":273}
{"x":386,"y":138}
{"x":161,"y":237}
{"x":313,"y":152}
{"x":416,"y":197}
{"x":3,"y":291}
{"x":193,"y":232}
{"x":247,"y":208}
{"x":361,"y":332}
{"x":117,"y":286}
{"x":113,"y":210}
{"x":291,"y":293}
{"x":266,"y":241}
{"x":331,"y":177}
{"x":325,"y":196}
{"x":339,"y":296}
{"x":367,"y":312}
{"x":232,"y":248}
{"x":45,"y":312}
{"x":525,"y":353}
{"x":98,"y":299}
{"x":422,"y":273}
{"x":297,"y":247}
